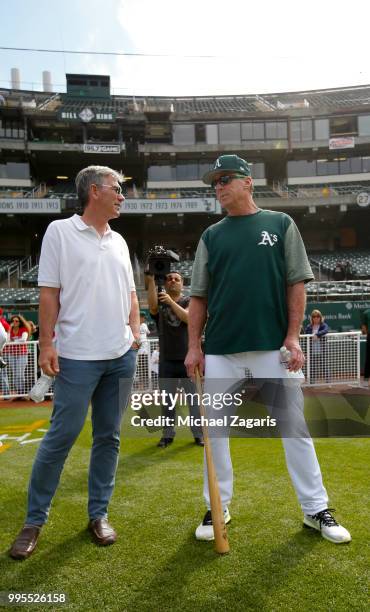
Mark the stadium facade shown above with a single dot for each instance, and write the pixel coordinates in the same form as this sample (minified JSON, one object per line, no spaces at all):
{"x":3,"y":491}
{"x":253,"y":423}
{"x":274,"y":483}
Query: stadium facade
{"x":309,"y":150}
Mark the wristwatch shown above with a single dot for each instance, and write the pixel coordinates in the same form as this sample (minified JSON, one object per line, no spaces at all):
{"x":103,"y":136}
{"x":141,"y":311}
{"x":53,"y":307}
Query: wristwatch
{"x":138,"y":342}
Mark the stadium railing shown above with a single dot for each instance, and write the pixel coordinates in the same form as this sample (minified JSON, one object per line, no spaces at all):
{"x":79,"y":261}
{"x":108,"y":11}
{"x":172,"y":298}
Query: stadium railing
{"x":15,"y":297}
{"x":334,"y":360}
{"x":20,"y":374}
{"x":322,"y":290}
{"x":317,"y":192}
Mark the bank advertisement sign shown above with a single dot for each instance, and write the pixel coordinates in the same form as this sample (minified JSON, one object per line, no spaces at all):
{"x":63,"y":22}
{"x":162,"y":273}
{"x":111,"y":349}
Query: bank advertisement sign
{"x":340,"y":316}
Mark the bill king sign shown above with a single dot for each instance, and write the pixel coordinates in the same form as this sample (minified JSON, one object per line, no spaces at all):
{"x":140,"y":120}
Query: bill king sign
{"x":86,"y":115}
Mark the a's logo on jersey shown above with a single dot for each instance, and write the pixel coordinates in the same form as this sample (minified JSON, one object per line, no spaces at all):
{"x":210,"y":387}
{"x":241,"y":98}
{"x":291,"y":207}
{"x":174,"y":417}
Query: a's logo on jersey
{"x":268,"y":239}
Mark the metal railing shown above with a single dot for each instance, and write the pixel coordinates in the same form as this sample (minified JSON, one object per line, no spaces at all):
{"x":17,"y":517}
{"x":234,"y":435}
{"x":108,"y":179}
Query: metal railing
{"x":332,"y":360}
{"x":20,"y":374}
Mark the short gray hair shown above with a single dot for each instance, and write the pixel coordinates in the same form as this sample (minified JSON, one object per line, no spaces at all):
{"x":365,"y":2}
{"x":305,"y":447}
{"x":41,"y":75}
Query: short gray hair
{"x":92,"y":175}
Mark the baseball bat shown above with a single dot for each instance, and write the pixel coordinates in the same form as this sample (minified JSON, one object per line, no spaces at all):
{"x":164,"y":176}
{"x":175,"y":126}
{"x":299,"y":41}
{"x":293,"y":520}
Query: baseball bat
{"x":218,"y":519}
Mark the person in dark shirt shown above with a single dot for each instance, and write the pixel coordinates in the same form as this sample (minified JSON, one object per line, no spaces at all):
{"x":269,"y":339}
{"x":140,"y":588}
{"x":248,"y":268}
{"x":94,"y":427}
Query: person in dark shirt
{"x":169,"y":309}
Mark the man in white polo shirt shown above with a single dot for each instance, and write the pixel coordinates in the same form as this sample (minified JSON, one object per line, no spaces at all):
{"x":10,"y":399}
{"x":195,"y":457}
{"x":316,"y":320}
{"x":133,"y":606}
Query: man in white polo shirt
{"x":85,"y":277}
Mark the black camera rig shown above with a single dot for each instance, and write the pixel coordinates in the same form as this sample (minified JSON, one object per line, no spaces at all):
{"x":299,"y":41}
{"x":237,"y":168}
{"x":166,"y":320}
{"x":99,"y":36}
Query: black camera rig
{"x":159,"y":264}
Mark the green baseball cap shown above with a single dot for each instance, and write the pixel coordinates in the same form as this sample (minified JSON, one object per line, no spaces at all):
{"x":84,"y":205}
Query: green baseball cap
{"x":225,"y":164}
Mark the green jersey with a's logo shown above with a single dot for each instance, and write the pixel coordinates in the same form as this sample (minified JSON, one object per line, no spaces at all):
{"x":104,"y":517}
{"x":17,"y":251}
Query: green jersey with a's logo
{"x":243,"y":266}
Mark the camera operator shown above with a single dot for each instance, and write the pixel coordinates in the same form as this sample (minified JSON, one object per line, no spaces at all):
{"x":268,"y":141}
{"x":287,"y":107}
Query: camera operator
{"x":169,"y":309}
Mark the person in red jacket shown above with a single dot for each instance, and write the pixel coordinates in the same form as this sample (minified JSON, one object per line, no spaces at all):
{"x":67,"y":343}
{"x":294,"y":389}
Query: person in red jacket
{"x":16,"y":352}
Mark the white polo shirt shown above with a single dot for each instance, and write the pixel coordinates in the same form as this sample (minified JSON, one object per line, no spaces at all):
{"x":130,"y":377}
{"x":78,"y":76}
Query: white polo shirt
{"x":95,"y":278}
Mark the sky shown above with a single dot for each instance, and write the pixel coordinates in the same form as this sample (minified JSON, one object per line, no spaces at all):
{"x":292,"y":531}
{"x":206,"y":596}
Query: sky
{"x":209,"y":47}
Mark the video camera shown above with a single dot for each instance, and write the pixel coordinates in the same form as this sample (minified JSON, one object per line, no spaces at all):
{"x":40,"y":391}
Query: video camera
{"x":159,"y":264}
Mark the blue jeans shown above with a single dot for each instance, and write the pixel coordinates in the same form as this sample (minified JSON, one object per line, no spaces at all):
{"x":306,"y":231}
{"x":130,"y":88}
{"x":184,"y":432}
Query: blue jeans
{"x":18,"y":365}
{"x":4,"y":381}
{"x":107,"y":385}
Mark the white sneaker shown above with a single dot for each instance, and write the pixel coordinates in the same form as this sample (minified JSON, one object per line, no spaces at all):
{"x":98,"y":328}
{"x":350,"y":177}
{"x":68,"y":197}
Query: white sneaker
{"x":325,"y":523}
{"x":204,"y":531}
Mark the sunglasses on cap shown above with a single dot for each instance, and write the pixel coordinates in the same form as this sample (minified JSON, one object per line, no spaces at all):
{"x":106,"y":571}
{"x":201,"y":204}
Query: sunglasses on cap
{"x":226,"y":179}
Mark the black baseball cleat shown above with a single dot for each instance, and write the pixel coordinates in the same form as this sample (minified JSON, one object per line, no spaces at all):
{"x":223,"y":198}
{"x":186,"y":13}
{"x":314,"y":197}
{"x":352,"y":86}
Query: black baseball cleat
{"x":3,"y":363}
{"x":204,"y":531}
{"x":199,"y":441}
{"x":164,"y":442}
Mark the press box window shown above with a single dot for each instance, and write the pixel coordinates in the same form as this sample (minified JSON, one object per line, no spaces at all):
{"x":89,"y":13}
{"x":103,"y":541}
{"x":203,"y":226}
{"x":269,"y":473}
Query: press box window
{"x":258,"y":170}
{"x":364,"y":125}
{"x":301,"y":168}
{"x":253,"y":131}
{"x":161,"y":173}
{"x":200,"y":132}
{"x":229,"y":133}
{"x":186,"y":172}
{"x":327,"y":168}
{"x":343,"y":126}
{"x":321,"y":129}
{"x":301,"y":131}
{"x":183,"y":134}
{"x":276,"y":130}
{"x":212,"y":133}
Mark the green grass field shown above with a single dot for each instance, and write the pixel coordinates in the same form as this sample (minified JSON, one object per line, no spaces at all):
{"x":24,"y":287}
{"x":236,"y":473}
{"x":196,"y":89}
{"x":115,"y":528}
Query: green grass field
{"x":274,"y":565}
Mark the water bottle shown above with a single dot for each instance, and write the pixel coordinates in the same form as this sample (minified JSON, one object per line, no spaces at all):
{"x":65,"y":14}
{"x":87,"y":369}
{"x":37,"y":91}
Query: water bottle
{"x":285,"y":356}
{"x":40,"y":388}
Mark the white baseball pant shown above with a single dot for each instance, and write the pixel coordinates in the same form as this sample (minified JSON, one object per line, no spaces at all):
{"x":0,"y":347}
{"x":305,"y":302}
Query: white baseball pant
{"x":300,"y":455}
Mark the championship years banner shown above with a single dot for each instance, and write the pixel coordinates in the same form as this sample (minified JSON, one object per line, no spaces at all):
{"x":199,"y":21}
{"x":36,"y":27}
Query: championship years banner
{"x":30,"y":205}
{"x":169,"y":205}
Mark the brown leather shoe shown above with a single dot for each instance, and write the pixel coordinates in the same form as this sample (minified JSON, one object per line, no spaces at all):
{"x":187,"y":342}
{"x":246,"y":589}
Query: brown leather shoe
{"x":102,"y":532}
{"x":25,"y":542}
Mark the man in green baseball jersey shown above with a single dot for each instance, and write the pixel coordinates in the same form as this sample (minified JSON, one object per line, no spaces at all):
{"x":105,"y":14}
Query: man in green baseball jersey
{"x":248,"y":276}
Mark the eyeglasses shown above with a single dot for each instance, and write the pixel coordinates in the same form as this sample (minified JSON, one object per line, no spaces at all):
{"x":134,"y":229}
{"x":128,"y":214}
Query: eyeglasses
{"x":226,"y":179}
{"x":116,"y":188}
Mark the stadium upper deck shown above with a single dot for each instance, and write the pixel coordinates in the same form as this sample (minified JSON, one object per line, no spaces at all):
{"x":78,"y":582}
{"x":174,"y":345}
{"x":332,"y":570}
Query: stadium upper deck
{"x":322,"y":100}
{"x":309,"y":150}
